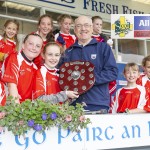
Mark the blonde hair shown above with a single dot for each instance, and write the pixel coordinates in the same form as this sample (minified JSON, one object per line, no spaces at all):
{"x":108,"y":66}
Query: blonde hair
{"x":52,"y":44}
{"x":17,"y":24}
{"x":132,"y":65}
{"x":62,"y":17}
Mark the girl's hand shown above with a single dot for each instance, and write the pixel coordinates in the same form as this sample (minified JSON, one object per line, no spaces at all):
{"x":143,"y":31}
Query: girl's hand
{"x":72,"y":94}
{"x":17,"y":99}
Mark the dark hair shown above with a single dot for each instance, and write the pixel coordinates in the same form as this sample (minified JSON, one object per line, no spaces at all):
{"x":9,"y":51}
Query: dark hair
{"x":49,"y":36}
{"x":104,"y":37}
{"x":44,"y":16}
{"x":96,"y":17}
{"x":34,"y":34}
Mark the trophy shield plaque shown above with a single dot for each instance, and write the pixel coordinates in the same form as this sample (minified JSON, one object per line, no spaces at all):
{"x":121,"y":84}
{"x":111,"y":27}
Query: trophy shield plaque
{"x":77,"y":76}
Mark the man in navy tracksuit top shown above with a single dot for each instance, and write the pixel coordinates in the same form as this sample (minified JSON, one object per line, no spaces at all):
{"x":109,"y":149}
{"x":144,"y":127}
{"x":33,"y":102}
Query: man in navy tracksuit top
{"x":99,"y":54}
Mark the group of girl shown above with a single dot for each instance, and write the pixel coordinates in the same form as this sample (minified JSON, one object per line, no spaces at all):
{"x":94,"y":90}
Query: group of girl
{"x":53,"y":47}
{"x":46,"y":61}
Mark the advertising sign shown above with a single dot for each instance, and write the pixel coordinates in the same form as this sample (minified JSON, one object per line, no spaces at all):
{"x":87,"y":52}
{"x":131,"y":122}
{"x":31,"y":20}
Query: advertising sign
{"x":105,"y":132}
{"x":129,"y":26}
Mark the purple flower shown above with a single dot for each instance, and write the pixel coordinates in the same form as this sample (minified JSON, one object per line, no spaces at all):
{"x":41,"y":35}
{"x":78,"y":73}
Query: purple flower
{"x":38,"y":127}
{"x":31,"y":123}
{"x":44,"y":116}
{"x":53,"y":116}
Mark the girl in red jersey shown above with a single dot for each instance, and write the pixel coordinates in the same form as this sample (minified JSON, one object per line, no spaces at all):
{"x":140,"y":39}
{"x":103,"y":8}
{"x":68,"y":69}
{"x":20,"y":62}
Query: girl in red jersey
{"x":133,"y":97}
{"x":19,"y":70}
{"x":8,"y":45}
{"x":97,"y":29}
{"x":144,"y":79}
{"x":9,"y":41}
{"x":45,"y":26}
{"x":46,"y":86}
{"x":64,"y":38}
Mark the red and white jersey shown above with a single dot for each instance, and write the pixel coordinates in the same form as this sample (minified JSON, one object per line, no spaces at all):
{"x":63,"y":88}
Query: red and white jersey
{"x":2,"y":94}
{"x":7,"y":46}
{"x":143,"y":80}
{"x":131,"y":98}
{"x":98,"y":37}
{"x":46,"y":82}
{"x":69,"y":38}
{"x":19,"y":70}
{"x":112,"y":87}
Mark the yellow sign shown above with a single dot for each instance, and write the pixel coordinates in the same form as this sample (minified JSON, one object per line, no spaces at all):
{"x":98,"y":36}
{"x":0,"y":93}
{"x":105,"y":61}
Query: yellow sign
{"x":122,"y":26}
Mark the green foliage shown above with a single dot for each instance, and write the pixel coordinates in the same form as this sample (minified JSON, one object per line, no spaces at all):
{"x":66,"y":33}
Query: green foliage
{"x":41,"y":116}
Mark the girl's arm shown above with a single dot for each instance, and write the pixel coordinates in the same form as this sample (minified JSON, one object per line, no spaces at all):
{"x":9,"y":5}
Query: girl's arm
{"x":13,"y":91}
{"x":136,"y":110}
{"x":59,"y":97}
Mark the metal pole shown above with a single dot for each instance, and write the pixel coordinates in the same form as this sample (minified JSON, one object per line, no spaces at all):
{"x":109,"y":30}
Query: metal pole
{"x":17,"y":18}
{"x":145,"y":48}
{"x":116,"y":49}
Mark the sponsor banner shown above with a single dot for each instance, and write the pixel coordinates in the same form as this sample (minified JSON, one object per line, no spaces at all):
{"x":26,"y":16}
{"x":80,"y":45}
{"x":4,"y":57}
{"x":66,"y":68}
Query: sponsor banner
{"x":129,"y":26}
{"x":142,"y":34}
{"x":141,"y":22}
{"x":101,"y":8}
{"x":106,"y":131}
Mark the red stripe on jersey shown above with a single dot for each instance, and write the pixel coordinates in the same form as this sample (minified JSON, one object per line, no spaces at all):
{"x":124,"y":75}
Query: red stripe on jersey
{"x":144,"y":81}
{"x":2,"y":94}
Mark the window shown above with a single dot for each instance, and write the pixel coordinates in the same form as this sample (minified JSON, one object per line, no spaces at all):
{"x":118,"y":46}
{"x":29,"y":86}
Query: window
{"x":19,"y":10}
{"x":131,"y":50}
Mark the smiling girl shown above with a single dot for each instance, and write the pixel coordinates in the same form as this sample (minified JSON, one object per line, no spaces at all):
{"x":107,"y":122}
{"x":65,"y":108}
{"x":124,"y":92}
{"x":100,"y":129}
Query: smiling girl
{"x":45,"y":26}
{"x":131,"y":98}
{"x":46,"y":86}
{"x":8,"y":45}
{"x":8,"y":41}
